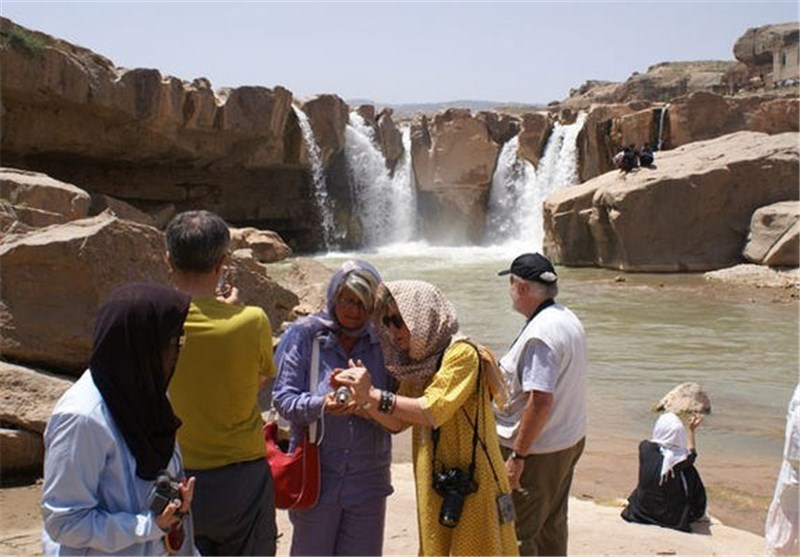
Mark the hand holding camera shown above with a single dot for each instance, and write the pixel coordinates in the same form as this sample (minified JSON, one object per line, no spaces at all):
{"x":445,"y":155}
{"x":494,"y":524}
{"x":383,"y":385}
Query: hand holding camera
{"x":170,"y":499}
{"x":356,"y":379}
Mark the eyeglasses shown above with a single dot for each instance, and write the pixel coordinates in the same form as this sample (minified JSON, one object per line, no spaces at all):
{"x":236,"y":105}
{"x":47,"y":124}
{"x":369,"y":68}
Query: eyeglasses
{"x":393,"y":320}
{"x":349,"y":302}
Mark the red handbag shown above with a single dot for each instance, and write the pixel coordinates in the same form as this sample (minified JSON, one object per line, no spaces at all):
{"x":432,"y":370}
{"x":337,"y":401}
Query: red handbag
{"x":295,"y":475}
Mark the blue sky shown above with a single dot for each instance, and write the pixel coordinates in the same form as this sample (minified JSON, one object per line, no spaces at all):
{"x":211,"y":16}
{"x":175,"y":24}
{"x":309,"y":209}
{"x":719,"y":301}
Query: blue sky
{"x":397,"y":52}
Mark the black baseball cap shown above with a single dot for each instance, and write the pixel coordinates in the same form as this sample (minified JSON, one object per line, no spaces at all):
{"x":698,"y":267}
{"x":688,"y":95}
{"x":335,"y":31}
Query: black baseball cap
{"x":532,"y":266}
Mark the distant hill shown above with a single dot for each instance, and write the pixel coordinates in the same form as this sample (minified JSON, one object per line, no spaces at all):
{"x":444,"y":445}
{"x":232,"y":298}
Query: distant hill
{"x":407,"y":110}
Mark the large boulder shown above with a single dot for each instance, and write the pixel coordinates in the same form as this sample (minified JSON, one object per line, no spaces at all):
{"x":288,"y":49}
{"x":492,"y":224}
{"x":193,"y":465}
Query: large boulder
{"x":257,"y":288}
{"x":28,"y":396}
{"x":56,"y":278}
{"x":454,"y":159}
{"x":774,"y":237}
{"x":23,"y":451}
{"x":685,"y":399}
{"x":266,"y":246}
{"x":691,"y":213}
{"x":39,"y":200}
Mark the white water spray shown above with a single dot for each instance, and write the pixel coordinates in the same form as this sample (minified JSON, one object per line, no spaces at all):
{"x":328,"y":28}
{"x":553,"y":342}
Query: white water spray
{"x":324,"y":203}
{"x":513,"y":184}
{"x":660,"y":142}
{"x":386,"y":205}
{"x":518,"y":192}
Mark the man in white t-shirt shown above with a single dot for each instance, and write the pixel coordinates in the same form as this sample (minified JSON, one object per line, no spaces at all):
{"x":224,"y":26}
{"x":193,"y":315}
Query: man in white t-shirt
{"x":542,"y":428}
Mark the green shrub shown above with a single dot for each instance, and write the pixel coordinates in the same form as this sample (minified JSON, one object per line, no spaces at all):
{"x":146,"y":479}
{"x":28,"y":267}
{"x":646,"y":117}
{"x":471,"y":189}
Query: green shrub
{"x":26,"y":41}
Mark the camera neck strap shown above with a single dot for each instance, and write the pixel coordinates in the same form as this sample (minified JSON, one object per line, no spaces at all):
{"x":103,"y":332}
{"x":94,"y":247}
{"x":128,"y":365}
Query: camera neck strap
{"x":436,"y":432}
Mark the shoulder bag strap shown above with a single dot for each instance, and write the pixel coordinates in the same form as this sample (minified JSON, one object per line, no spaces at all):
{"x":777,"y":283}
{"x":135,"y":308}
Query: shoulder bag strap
{"x":312,"y":385}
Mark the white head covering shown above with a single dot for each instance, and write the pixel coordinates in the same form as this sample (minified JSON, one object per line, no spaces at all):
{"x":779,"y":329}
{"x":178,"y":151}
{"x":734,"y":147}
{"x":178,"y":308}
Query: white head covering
{"x":670,"y":434}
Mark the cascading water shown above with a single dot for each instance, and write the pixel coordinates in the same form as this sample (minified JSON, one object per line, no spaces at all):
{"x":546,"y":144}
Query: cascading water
{"x":385,"y":204}
{"x":324,"y":202}
{"x":518,"y":191}
{"x":513,"y":184}
{"x":660,"y":142}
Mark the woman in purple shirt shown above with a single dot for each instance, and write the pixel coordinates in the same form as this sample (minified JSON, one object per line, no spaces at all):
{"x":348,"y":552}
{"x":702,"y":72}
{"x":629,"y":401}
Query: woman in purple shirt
{"x":355,"y":452}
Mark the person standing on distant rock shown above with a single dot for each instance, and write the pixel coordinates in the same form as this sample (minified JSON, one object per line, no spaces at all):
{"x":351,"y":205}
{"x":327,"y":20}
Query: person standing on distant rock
{"x":543,"y":429}
{"x":670,"y":492}
{"x":226,"y":362}
{"x":783,"y":516}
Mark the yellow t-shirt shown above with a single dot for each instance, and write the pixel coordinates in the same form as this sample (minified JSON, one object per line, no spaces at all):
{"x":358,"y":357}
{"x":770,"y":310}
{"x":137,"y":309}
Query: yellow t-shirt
{"x":215,"y":387}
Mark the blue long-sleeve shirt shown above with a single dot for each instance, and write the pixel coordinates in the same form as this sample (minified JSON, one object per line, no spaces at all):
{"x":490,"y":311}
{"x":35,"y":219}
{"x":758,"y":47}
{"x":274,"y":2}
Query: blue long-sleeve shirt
{"x":355,"y":453}
{"x":93,"y":503}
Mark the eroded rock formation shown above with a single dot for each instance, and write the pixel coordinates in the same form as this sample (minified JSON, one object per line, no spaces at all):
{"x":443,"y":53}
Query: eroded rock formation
{"x":691,"y":213}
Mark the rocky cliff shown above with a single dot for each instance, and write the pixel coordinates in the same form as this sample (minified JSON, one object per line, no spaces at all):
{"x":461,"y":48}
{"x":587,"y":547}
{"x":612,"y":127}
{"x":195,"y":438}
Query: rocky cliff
{"x":165,"y":145}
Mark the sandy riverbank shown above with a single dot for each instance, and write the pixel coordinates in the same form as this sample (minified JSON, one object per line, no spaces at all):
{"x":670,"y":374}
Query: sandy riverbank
{"x":595,"y":529}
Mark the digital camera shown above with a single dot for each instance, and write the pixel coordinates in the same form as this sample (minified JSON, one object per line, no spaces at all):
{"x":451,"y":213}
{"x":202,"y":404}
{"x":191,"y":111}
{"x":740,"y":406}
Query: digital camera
{"x":165,"y":490}
{"x":343,"y":395}
{"x":453,"y":485}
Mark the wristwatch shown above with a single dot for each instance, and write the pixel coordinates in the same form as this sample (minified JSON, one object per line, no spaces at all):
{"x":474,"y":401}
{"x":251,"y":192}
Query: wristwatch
{"x":516,"y":456}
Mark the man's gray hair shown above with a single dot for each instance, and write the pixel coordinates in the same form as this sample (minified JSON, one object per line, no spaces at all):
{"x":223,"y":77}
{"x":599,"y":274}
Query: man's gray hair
{"x":197,"y":241}
{"x":549,"y":290}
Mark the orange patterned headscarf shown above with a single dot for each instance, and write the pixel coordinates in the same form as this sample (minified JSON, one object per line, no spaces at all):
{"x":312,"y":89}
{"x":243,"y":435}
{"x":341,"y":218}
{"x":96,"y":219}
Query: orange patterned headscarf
{"x":431,"y":319}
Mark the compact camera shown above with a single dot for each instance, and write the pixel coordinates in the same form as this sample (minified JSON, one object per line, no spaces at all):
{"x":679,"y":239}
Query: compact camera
{"x":453,"y":485}
{"x":343,"y":395}
{"x":165,"y":490}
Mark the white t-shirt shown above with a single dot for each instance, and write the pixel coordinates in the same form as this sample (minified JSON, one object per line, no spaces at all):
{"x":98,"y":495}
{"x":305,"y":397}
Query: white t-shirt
{"x":550,"y":356}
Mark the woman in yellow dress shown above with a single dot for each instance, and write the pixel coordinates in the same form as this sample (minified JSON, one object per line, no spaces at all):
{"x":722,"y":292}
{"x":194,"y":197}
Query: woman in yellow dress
{"x":463,"y":496}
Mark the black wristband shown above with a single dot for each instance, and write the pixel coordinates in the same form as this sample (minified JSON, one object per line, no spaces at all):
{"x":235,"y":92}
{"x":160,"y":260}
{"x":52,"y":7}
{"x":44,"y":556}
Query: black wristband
{"x":516,"y":456}
{"x":387,"y":402}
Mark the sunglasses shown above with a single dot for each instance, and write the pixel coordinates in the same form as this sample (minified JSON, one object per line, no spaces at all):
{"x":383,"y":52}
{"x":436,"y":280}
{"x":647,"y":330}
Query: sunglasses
{"x":393,"y":320}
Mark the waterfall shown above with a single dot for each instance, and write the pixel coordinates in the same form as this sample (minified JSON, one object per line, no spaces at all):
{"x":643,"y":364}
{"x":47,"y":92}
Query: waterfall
{"x":659,"y":143}
{"x":386,"y":205}
{"x":324,"y":203}
{"x":513,"y":184}
{"x":518,"y":191}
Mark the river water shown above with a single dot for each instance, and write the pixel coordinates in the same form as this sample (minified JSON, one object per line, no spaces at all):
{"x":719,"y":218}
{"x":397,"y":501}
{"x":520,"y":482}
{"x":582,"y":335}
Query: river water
{"x":647,"y":333}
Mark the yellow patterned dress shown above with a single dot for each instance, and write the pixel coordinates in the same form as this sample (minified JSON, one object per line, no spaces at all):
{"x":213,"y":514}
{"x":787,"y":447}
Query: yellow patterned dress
{"x":479,"y":531}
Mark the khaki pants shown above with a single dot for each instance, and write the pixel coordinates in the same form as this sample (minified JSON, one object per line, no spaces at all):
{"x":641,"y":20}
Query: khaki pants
{"x":541,"y":505}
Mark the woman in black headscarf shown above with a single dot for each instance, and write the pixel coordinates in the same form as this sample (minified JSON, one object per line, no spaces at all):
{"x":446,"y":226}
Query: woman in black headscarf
{"x":112,"y":435}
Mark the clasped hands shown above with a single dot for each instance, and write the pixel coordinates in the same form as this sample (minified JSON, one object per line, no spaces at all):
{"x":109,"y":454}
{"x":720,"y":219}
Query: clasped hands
{"x":358,"y":380}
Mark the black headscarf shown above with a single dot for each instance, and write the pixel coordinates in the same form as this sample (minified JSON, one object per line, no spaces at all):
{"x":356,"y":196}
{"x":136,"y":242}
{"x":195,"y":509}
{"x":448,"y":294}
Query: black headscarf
{"x":133,"y":328}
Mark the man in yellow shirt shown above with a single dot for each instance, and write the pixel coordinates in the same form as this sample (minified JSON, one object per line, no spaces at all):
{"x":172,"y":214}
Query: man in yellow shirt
{"x":226,"y":361}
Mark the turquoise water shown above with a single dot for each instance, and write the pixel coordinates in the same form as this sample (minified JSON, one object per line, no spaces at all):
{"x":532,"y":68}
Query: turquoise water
{"x":646,"y":335}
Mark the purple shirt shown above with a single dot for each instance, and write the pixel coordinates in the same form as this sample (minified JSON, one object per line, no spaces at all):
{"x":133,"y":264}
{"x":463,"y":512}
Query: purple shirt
{"x":355,"y":453}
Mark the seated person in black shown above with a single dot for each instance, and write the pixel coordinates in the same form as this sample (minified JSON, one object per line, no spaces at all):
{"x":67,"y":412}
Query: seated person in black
{"x":670,"y":492}
{"x":646,"y":155}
